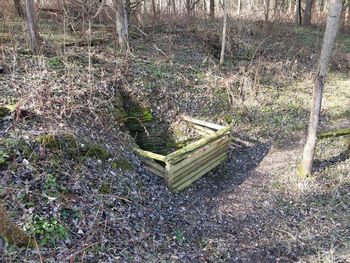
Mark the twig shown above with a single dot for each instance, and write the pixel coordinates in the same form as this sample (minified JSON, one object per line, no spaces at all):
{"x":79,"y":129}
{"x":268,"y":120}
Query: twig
{"x":143,"y":33}
{"x":161,"y":51}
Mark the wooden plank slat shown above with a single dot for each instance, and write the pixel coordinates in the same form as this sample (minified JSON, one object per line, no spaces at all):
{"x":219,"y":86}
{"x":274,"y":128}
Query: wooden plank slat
{"x":182,"y":157}
{"x":154,"y":171}
{"x":151,"y":155}
{"x":205,"y":160}
{"x":199,"y":143}
{"x":201,"y":129}
{"x":198,"y":156}
{"x":151,"y":165}
{"x":198,"y":174}
{"x":203,"y":123}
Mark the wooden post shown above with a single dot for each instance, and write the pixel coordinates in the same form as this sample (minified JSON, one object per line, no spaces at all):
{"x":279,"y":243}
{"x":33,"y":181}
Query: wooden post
{"x":32,"y":26}
{"x":330,"y":34}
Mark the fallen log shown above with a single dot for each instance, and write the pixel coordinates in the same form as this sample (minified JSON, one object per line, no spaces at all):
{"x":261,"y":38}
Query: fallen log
{"x":334,"y":133}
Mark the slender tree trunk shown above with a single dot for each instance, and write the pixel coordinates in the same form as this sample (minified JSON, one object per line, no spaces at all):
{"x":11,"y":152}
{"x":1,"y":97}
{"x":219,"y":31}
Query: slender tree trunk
{"x":239,"y":6}
{"x":267,"y":9}
{"x":224,"y":28}
{"x":121,"y":24}
{"x":188,"y":7}
{"x":173,"y":6}
{"x":298,"y":19}
{"x":18,"y":7}
{"x":32,"y":26}
{"x":154,"y":8}
{"x":330,"y":34}
{"x":307,"y":12}
{"x":212,"y":9}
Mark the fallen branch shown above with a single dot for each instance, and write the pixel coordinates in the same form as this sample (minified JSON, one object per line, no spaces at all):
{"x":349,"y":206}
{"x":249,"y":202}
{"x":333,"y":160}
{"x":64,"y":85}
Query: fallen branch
{"x":334,"y":133}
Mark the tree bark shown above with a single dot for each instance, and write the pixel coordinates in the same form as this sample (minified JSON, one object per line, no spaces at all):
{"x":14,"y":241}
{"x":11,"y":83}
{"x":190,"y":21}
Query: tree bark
{"x":332,"y":28}
{"x":121,"y":23}
{"x":212,"y":9}
{"x":32,"y":26}
{"x":267,"y":9}
{"x":307,"y":12}
{"x":239,"y":6}
{"x":173,"y":6}
{"x":18,"y":7}
{"x":154,"y":8}
{"x":224,"y":28}
{"x":298,"y":19}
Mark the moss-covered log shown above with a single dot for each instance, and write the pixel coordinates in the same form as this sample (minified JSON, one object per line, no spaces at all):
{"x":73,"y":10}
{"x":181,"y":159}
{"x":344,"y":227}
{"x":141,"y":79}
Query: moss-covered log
{"x":334,"y":133}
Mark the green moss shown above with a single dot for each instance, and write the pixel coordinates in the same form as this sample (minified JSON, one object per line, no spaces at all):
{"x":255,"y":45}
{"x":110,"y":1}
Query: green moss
{"x":105,"y":188}
{"x":228,"y":119}
{"x":147,"y":115}
{"x":123,"y":165}
{"x":65,"y":143}
{"x":97,"y":151}
{"x":55,"y":62}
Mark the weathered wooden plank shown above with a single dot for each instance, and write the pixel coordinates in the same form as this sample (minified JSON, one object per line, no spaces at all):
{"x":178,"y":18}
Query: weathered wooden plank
{"x":198,"y":155}
{"x":205,"y":160}
{"x":203,"y":123}
{"x":198,"y":144}
{"x":182,"y":157}
{"x":154,"y":168}
{"x":198,"y":174}
{"x":155,"y":171}
{"x":201,"y":129}
{"x":151,"y":155}
{"x":189,"y":154}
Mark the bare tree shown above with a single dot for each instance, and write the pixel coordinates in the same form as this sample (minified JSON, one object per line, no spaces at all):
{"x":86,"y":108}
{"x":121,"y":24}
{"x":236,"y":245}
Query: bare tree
{"x":32,"y":26}
{"x":298,"y":12}
{"x":224,"y":28}
{"x":212,"y":9}
{"x":18,"y":7}
{"x":332,"y":27}
{"x":239,"y":6}
{"x":267,"y":9}
{"x":121,"y":23}
{"x":307,"y":12}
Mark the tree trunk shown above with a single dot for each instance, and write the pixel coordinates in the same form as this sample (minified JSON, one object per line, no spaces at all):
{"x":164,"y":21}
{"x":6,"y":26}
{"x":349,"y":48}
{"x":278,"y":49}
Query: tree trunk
{"x":18,"y":7}
{"x":212,"y":9}
{"x":32,"y":26}
{"x":332,"y":27}
{"x":267,"y":9}
{"x":188,"y":7}
{"x":307,"y":12}
{"x":121,"y":23}
{"x":239,"y":6}
{"x":224,"y":27}
{"x":154,"y":8}
{"x":298,"y":19}
{"x":173,"y":6}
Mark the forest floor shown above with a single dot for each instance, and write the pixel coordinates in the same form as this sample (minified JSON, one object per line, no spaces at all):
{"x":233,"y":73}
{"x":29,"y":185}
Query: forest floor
{"x":68,"y":174}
